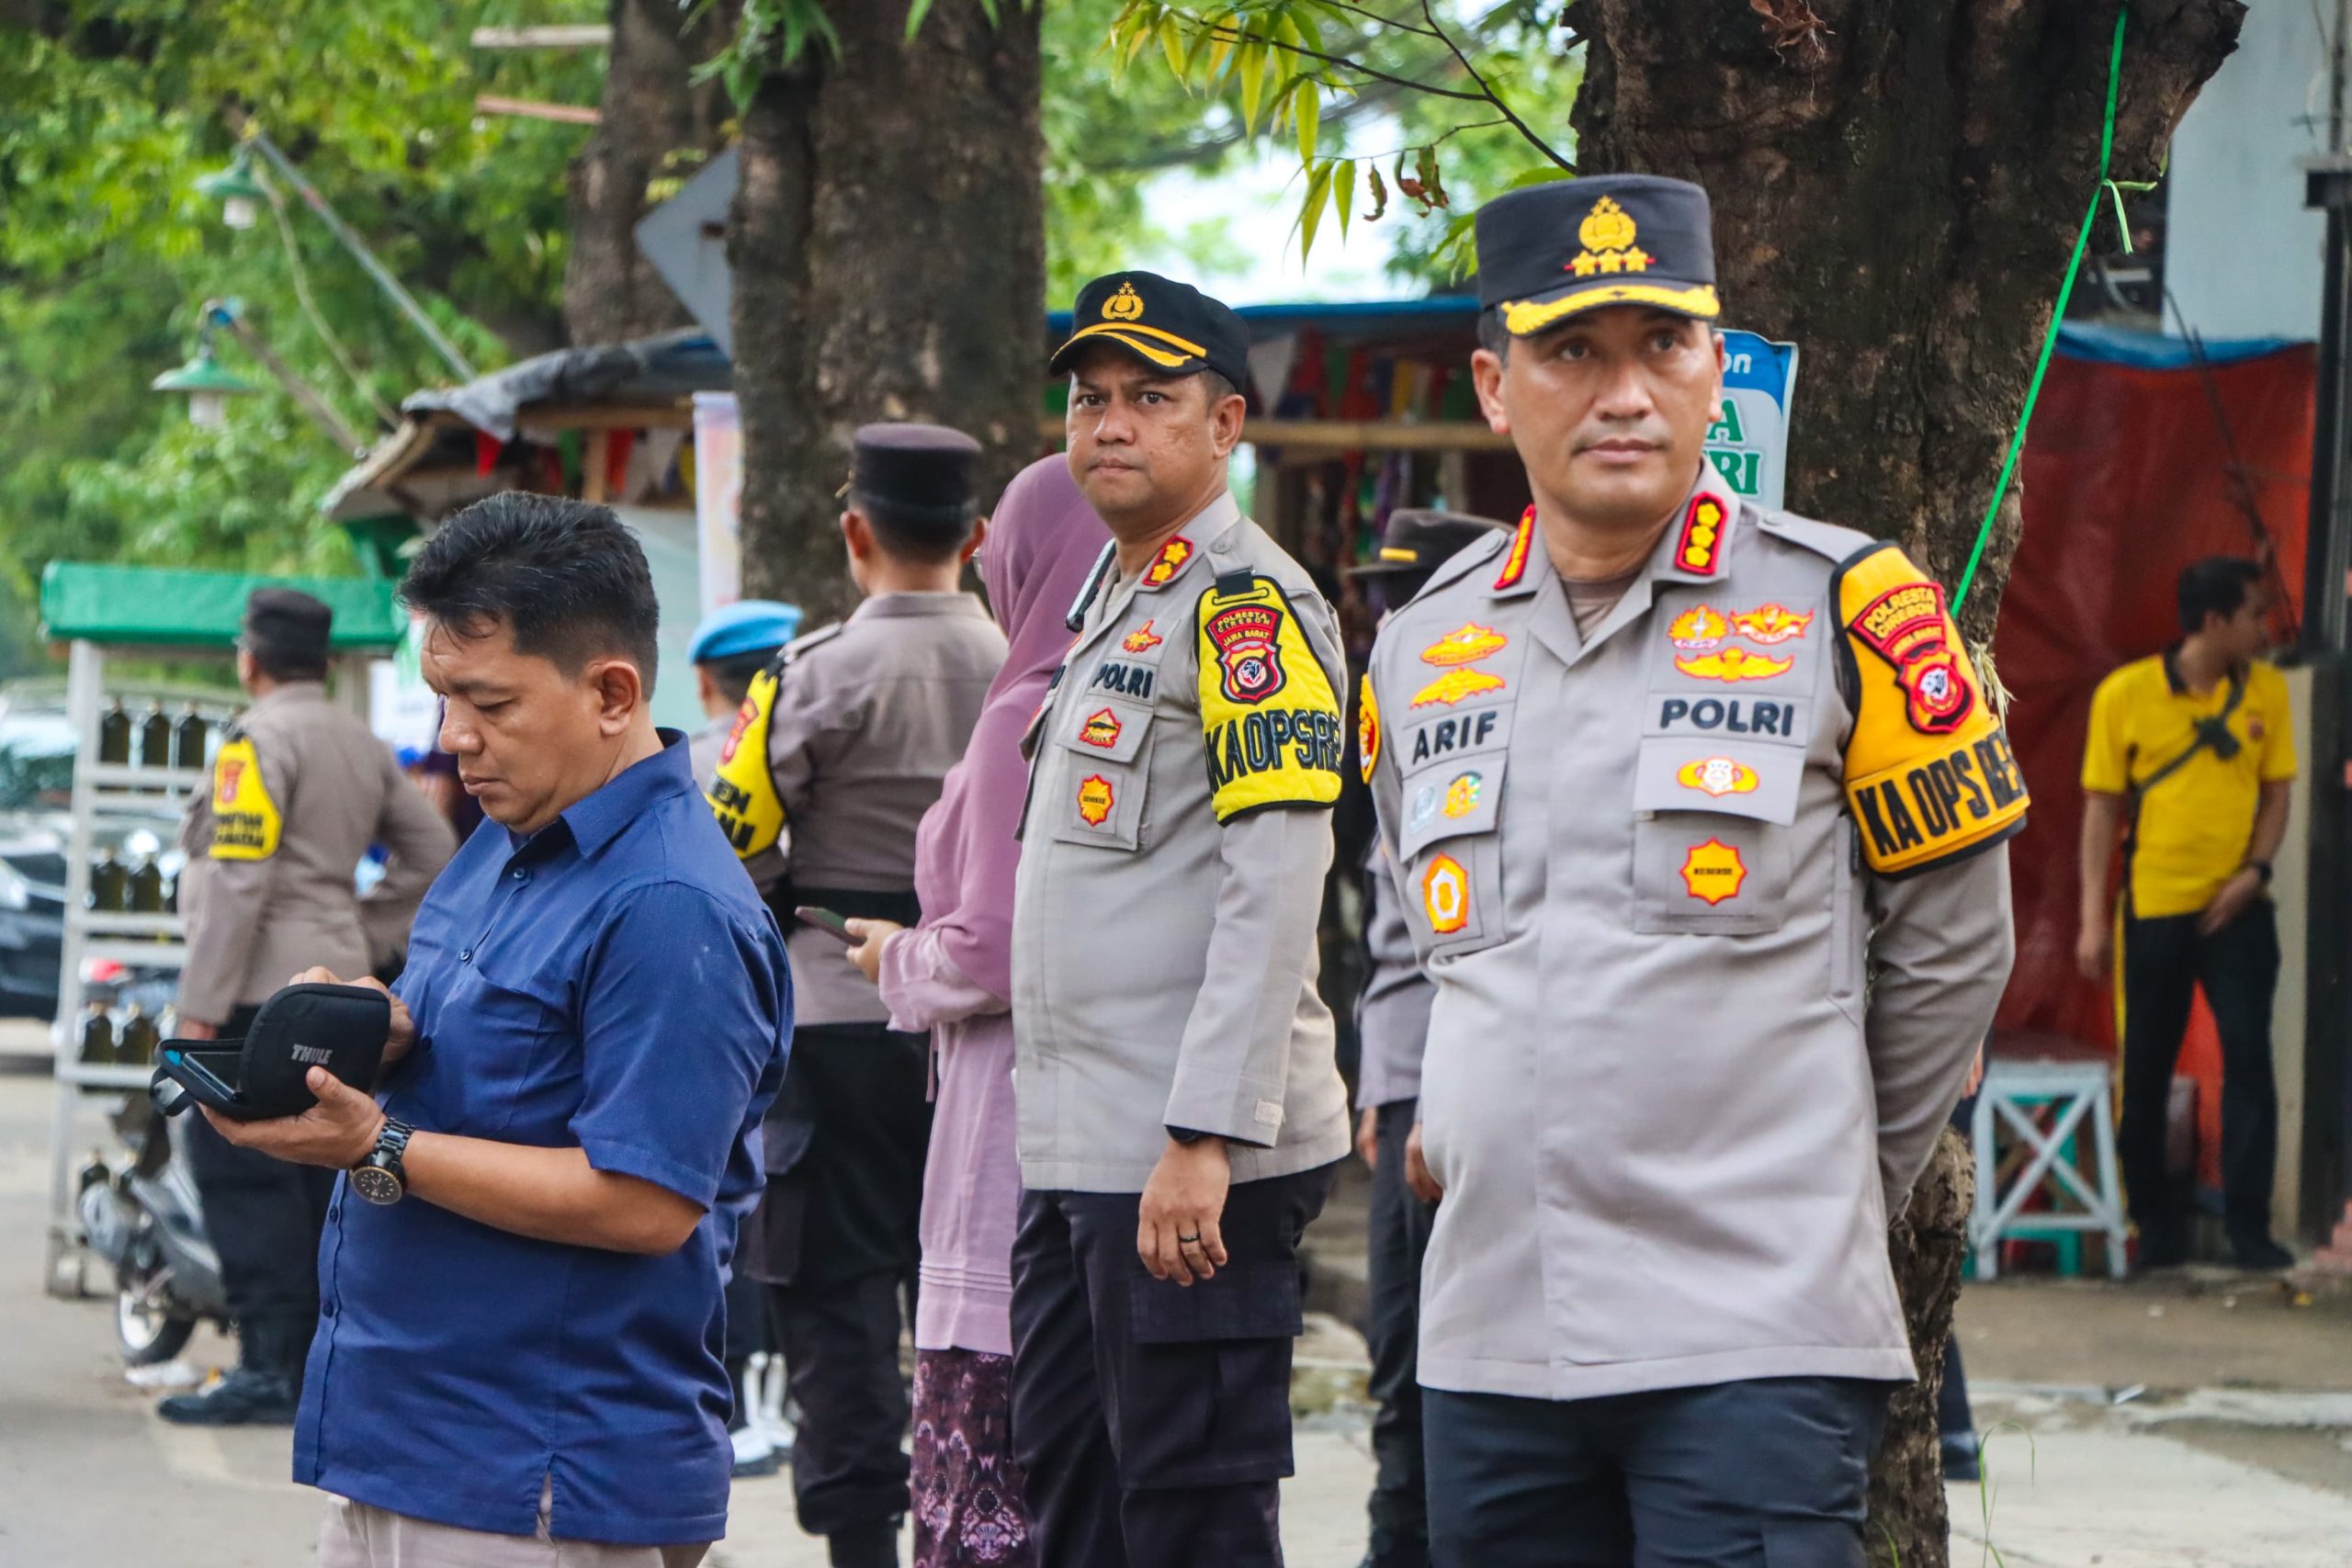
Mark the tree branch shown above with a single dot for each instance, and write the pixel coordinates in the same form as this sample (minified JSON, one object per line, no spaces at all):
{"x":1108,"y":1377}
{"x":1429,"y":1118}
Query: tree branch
{"x":1227,"y":31}
{"x":1429,"y":15}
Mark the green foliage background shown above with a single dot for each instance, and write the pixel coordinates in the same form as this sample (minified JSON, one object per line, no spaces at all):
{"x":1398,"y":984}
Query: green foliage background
{"x":109,"y":109}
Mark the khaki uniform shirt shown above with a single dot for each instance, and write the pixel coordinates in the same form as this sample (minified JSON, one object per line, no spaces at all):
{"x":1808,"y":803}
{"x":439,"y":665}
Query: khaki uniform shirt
{"x":839,"y":749}
{"x":300,"y":789}
{"x":1172,"y":861}
{"x":1648,"y":871}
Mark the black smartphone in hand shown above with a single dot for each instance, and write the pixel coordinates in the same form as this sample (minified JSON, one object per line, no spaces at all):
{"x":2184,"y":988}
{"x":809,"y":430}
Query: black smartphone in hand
{"x":832,"y":925}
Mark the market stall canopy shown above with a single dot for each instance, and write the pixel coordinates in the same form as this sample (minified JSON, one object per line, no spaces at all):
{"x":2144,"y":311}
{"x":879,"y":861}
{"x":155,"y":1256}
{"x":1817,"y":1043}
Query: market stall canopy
{"x":159,"y":607}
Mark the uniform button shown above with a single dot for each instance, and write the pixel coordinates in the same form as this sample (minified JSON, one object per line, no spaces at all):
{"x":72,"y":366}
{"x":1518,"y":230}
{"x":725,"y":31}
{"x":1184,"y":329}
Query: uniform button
{"x":326,"y":1309}
{"x":335,"y":1214}
{"x":467,"y":956}
{"x":522,"y":875}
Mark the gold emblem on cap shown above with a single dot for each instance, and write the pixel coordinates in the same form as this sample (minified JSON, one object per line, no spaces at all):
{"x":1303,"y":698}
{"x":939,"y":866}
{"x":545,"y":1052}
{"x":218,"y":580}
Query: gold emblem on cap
{"x":1126,"y":305}
{"x":1608,"y":233}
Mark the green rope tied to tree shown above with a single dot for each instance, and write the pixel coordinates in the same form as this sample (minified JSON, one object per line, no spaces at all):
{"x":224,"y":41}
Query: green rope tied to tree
{"x":2057,"y":317}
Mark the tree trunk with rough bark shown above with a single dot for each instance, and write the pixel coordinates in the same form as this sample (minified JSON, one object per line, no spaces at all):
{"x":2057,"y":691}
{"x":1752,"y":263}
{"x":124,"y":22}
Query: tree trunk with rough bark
{"x":888,"y":246}
{"x":652,"y":111}
{"x":1897,"y":185}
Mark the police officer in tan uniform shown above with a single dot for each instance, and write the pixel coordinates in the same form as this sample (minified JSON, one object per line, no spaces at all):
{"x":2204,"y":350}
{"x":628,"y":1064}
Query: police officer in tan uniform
{"x":839,"y":749}
{"x":1664,"y":776}
{"x":1179,"y":1108}
{"x":300,"y":790}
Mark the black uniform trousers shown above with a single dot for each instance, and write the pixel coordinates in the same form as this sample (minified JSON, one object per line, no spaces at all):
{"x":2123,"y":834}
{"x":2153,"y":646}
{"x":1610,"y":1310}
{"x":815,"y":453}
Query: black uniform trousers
{"x":263,"y":1216}
{"x":837,"y":1242}
{"x":1398,"y":1240}
{"x":1766,"y":1473}
{"x":2164,"y":960}
{"x":1153,"y":1419}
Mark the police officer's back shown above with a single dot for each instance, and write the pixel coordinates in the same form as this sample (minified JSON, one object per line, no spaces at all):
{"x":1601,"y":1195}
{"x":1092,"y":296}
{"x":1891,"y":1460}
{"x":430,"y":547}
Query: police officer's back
{"x":839,"y":749}
{"x":300,"y":790}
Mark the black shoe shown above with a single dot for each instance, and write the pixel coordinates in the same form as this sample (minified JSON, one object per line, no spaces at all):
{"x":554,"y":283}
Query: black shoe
{"x":243,"y":1398}
{"x":1961,"y":1461}
{"x":2259,"y":1252}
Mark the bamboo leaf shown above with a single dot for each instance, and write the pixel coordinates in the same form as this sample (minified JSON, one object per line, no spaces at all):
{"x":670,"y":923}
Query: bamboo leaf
{"x":1343,"y":193}
{"x":1171,"y":44}
{"x":915,"y":14}
{"x":1251,"y":64}
{"x":1306,"y":108}
{"x":1541,"y":175}
{"x":1310,"y":215}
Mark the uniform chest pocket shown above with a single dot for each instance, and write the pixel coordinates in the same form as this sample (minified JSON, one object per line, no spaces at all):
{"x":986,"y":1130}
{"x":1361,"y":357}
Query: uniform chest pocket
{"x":1453,"y":853}
{"x":1710,"y":836}
{"x":501,"y":1036}
{"x":1104,"y":768}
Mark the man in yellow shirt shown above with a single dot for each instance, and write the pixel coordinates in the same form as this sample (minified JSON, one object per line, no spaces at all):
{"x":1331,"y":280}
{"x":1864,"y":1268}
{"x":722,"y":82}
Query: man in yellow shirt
{"x":2192,"y":755}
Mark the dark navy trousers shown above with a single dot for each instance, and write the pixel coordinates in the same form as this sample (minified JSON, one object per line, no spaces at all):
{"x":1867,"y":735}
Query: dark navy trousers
{"x":1768,"y":1474}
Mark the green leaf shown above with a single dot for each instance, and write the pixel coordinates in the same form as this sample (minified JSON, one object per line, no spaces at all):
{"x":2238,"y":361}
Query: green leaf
{"x":1379,"y":195}
{"x":1306,"y":107}
{"x":1250,"y":63}
{"x":1171,"y":44}
{"x":1310,"y":214}
{"x":1344,"y":192}
{"x":916,"y":13}
{"x":1541,"y":175}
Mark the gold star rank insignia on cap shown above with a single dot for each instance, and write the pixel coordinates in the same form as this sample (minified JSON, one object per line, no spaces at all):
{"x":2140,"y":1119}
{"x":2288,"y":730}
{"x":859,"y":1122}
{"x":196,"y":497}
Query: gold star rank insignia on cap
{"x":1608,"y":233}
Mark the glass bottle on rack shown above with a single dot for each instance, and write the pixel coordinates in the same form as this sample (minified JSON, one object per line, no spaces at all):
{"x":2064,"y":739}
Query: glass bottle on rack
{"x":114,"y":735}
{"x":109,"y":885}
{"x":147,"y":888}
{"x":136,"y":1047}
{"x":97,"y":1038}
{"x":188,"y":740}
{"x":155,"y":738}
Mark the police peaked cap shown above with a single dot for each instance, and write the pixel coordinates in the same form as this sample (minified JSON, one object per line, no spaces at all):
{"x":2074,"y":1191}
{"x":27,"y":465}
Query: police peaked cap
{"x":1552,"y":251}
{"x":923,"y":472}
{"x":1169,"y":327}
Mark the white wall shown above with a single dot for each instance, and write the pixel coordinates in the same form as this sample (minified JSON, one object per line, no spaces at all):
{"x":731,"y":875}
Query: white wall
{"x":2242,"y":252}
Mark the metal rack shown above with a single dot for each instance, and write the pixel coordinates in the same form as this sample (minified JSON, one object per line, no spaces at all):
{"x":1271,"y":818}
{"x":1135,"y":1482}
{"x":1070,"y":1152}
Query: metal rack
{"x":100,"y":790}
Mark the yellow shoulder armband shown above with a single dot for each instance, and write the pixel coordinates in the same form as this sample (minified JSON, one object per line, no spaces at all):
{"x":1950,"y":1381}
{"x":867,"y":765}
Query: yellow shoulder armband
{"x":1267,"y":714}
{"x":245,"y":821}
{"x":743,"y":795}
{"x":1929,"y":771}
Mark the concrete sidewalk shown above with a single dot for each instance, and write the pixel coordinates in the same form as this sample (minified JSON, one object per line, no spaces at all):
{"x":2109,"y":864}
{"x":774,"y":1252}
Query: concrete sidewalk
{"x":2231,"y":1456}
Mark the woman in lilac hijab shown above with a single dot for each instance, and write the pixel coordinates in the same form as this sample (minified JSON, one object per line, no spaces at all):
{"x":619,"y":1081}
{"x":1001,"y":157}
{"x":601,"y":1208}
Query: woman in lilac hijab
{"x":953,"y":975}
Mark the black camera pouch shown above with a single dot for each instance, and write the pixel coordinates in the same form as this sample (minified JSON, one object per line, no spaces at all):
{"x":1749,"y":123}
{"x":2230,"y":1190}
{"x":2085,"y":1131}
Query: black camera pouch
{"x":259,"y":1077}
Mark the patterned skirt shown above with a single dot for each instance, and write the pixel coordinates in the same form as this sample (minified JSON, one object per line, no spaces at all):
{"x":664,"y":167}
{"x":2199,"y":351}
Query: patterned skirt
{"x":967,"y":1484}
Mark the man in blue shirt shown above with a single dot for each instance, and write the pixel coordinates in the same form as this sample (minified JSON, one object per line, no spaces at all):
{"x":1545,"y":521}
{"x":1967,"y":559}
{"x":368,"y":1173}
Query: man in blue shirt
{"x":521,"y":1329}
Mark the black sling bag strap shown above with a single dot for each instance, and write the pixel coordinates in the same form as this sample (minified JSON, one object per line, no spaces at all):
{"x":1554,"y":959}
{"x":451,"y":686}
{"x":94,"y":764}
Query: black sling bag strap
{"x":2213,"y":733}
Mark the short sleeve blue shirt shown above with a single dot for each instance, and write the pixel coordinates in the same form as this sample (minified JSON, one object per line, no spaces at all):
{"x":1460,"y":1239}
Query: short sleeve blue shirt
{"x":612,"y":983}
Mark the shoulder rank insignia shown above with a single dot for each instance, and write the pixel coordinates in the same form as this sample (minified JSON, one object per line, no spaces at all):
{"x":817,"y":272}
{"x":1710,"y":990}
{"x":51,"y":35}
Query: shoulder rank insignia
{"x":1168,"y":562}
{"x":1770,"y":624}
{"x":1700,"y":548}
{"x":245,"y":820}
{"x":1367,"y":727}
{"x":1929,"y":776}
{"x":1456,"y":685}
{"x":1515,"y":558}
{"x":1465,"y":643}
{"x":1143,"y":639}
{"x":1734,"y":664}
{"x":1270,"y":717}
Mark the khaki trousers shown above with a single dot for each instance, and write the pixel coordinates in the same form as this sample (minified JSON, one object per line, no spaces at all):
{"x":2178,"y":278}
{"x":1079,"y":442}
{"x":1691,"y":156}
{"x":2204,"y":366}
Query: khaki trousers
{"x":357,"y":1535}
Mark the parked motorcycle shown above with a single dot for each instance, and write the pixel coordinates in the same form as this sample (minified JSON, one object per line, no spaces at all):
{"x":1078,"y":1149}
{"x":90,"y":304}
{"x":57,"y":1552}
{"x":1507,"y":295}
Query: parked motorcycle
{"x":143,"y":1217}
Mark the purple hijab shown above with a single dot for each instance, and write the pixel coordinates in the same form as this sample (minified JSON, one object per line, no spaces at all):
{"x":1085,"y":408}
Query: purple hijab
{"x":1040,"y":544}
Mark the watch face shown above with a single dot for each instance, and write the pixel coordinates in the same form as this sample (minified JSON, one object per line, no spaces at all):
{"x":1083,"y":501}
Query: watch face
{"x":376,"y":1184}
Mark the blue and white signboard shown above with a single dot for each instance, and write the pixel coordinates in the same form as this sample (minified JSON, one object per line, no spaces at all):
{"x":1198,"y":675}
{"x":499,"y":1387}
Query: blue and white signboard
{"x":1748,"y":442}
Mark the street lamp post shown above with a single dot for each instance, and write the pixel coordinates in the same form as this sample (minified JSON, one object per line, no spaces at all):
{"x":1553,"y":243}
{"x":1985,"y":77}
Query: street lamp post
{"x":209,"y":385}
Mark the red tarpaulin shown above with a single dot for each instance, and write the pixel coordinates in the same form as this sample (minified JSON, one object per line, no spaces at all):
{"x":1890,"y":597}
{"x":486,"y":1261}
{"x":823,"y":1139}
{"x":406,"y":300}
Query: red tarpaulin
{"x":2127,"y":479}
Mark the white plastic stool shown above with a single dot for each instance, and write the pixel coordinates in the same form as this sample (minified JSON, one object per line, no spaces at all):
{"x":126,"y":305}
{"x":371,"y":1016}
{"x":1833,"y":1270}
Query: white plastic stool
{"x":2015,"y":1093}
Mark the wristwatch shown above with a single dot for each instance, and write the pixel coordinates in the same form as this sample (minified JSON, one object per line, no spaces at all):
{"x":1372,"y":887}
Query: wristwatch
{"x":380,"y":1178}
{"x":2261,"y":868}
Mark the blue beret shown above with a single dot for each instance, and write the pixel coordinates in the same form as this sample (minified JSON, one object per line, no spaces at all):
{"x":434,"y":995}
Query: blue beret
{"x":744,"y":626}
